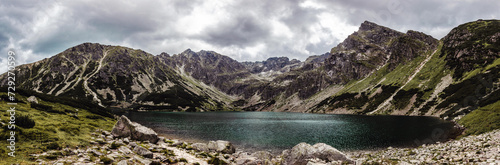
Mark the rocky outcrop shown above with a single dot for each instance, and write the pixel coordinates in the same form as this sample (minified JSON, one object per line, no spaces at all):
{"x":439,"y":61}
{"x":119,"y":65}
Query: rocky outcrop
{"x":410,"y":46}
{"x":125,"y":128}
{"x":304,"y":153}
{"x":472,"y":45}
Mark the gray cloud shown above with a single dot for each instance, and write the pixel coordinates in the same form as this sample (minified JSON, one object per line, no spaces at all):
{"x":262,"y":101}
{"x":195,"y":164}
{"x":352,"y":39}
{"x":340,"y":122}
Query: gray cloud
{"x":243,"y":30}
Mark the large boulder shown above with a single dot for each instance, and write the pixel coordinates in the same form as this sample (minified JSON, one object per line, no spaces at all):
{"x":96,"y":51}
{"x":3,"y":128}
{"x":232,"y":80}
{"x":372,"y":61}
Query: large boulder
{"x":259,"y":157}
{"x":125,"y":128}
{"x":143,"y":152}
{"x":221,"y":146}
{"x":122,"y":127}
{"x":303,"y":153}
{"x":144,"y":133}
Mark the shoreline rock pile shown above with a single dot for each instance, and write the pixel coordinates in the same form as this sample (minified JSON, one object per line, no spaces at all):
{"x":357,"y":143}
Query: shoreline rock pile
{"x":473,"y":149}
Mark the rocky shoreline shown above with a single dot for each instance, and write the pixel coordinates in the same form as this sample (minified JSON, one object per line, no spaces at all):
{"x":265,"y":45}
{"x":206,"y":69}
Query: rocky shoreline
{"x":132,"y":143}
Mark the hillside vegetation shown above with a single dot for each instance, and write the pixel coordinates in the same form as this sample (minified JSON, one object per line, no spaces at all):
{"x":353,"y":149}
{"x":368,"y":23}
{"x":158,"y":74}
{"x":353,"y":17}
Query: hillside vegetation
{"x":51,"y":124}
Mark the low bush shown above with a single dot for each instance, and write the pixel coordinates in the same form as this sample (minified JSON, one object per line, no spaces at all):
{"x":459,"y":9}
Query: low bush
{"x":106,"y":160}
{"x":53,"y":146}
{"x":25,"y":121}
{"x":216,"y":161}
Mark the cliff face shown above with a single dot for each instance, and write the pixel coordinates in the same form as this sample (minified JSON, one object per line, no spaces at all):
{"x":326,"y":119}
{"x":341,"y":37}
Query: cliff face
{"x":472,"y":45}
{"x":375,"y":70}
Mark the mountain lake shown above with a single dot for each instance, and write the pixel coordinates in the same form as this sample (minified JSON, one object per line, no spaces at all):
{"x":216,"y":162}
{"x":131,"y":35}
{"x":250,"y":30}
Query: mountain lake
{"x":277,"y":131}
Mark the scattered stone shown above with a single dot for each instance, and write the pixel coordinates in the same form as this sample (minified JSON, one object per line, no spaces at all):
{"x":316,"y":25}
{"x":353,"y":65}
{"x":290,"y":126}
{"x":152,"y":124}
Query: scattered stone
{"x":93,"y":151}
{"x":123,"y":162}
{"x":262,"y":155}
{"x":32,"y":99}
{"x":125,"y":150}
{"x":126,"y":141}
{"x":132,"y":145}
{"x":177,"y":143}
{"x":143,"y":152}
{"x":200,"y":147}
{"x":143,"y":161}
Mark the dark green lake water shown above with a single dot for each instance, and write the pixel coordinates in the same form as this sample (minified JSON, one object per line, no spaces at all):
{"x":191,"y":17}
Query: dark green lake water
{"x":278,"y":131}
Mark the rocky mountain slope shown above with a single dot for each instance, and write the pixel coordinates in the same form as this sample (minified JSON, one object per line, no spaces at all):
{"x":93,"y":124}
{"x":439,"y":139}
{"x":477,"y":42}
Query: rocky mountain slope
{"x":114,"y":76}
{"x":375,"y":70}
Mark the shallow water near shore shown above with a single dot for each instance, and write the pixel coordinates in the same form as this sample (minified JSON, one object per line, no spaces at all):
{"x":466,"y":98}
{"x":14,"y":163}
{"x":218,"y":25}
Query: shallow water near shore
{"x":274,"y":131}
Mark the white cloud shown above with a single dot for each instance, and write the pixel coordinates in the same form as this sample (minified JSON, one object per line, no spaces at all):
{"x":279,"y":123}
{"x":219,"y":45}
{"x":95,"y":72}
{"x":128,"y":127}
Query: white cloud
{"x":243,"y":30}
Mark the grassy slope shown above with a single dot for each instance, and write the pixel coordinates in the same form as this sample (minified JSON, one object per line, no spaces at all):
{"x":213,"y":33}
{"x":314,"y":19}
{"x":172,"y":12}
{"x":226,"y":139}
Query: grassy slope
{"x":482,"y":120}
{"x":57,"y":128}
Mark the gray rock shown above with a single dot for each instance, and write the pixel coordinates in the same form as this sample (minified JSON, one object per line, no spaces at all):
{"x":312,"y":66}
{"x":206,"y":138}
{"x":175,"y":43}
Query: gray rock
{"x":125,"y":128}
{"x":123,"y":162}
{"x":107,"y":133}
{"x":122,"y":127}
{"x":32,"y":99}
{"x":303,"y":152}
{"x":96,"y":153}
{"x":247,"y":160}
{"x":221,"y":146}
{"x":124,"y":150}
{"x":132,"y":145}
{"x":328,"y":153}
{"x":143,"y":152}
{"x":143,"y":133}
{"x":263,"y":155}
{"x":161,"y":157}
{"x":177,"y":143}
{"x":141,"y":160}
{"x":200,"y":147}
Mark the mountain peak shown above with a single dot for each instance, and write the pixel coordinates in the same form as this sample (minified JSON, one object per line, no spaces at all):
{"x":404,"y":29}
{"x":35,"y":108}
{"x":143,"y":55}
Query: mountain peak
{"x":163,"y":54}
{"x":367,"y":25}
{"x":87,"y":47}
{"x":188,"y":51}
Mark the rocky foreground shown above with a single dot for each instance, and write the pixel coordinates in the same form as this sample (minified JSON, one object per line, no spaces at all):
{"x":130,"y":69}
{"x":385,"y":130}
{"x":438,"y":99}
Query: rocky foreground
{"x":132,"y":143}
{"x":480,"y":149}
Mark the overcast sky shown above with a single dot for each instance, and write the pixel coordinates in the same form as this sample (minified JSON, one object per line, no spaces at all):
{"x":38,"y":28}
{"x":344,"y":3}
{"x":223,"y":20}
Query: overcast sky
{"x":247,"y":30}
